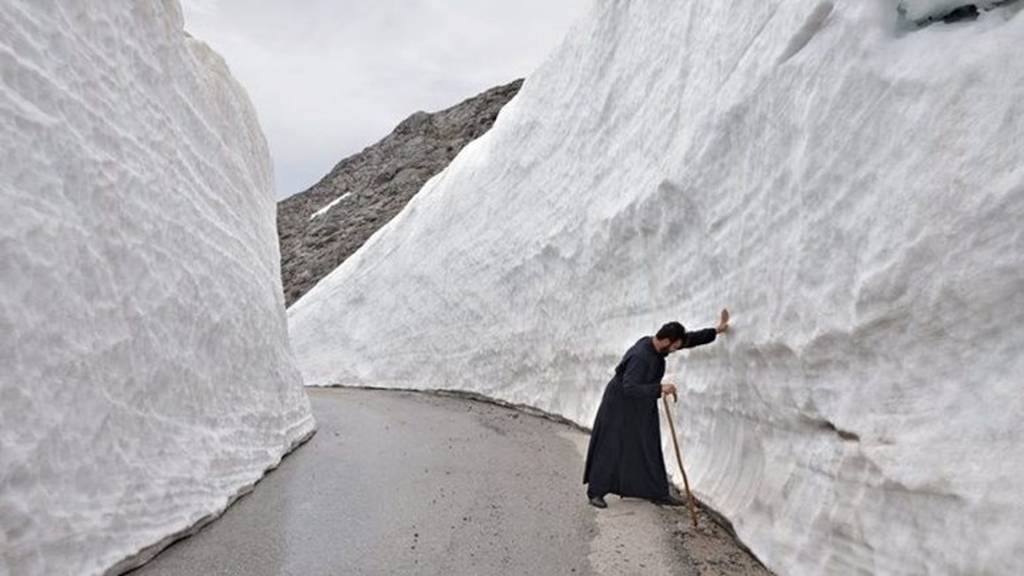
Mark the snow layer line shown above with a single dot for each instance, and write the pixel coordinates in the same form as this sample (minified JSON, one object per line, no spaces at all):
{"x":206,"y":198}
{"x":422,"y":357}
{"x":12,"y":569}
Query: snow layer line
{"x":146,"y":373}
{"x":856,"y":204}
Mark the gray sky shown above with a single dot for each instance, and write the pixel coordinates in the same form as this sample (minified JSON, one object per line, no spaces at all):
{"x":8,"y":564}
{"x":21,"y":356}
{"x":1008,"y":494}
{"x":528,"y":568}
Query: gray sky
{"x":329,"y":78}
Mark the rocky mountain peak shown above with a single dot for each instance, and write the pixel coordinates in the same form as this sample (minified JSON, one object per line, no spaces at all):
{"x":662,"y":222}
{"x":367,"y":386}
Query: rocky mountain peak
{"x":322,"y":226}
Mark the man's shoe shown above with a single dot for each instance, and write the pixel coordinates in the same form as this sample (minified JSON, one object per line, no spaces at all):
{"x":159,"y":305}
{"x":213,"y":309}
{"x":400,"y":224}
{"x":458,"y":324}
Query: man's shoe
{"x":598,"y":501}
{"x":669,"y":501}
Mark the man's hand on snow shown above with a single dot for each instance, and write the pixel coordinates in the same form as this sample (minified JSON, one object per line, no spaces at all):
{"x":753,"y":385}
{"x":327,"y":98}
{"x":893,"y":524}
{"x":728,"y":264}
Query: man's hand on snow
{"x":723,"y":323}
{"x":668,"y":389}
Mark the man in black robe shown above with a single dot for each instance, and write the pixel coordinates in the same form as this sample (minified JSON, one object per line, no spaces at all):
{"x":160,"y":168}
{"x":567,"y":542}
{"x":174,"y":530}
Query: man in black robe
{"x":624,"y":456}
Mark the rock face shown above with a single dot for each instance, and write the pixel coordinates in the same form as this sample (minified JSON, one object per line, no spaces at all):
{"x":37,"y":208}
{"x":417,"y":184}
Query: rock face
{"x":321,"y":227}
{"x":146,"y":372}
{"x":852,"y":190}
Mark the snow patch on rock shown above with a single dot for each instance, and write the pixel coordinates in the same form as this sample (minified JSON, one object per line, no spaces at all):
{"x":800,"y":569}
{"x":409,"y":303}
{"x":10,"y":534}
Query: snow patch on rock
{"x":330,"y":205}
{"x":147,"y":376}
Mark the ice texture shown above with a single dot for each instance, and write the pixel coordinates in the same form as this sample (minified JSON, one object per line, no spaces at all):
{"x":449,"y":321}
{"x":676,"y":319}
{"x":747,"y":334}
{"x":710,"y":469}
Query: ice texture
{"x":851,"y":190}
{"x":145,"y":371}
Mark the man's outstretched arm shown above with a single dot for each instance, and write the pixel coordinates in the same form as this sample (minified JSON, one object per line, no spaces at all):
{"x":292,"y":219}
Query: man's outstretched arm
{"x":700,"y":337}
{"x":707,"y":335}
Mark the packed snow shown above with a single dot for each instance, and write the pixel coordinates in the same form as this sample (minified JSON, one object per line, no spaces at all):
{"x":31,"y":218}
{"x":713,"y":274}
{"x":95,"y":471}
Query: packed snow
{"x":852,"y":190}
{"x":147,"y":376}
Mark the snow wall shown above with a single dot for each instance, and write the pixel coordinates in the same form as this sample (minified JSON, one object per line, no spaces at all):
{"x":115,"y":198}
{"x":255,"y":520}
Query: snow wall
{"x":146,"y":372}
{"x":849,"y":185}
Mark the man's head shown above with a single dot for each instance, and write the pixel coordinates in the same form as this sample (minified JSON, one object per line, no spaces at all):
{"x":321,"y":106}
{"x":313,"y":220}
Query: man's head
{"x":670,"y":338}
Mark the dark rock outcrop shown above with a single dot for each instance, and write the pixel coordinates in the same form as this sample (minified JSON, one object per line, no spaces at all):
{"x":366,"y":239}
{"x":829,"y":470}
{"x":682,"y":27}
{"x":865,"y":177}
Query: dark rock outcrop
{"x":950,"y":13}
{"x":374,"y":185}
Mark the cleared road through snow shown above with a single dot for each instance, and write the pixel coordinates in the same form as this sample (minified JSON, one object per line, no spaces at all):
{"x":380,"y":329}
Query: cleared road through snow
{"x":401,"y":482}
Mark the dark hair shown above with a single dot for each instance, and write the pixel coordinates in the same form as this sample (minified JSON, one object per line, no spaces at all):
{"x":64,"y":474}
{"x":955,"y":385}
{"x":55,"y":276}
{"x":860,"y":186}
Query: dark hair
{"x":673,"y":331}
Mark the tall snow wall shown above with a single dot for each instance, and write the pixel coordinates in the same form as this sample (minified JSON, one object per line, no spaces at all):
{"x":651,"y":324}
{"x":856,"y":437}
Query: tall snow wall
{"x":849,"y":184}
{"x":146,"y":372}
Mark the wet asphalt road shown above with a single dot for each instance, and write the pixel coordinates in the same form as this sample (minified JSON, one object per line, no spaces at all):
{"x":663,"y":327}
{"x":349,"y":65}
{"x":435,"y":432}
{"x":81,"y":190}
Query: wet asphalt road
{"x":401,"y":482}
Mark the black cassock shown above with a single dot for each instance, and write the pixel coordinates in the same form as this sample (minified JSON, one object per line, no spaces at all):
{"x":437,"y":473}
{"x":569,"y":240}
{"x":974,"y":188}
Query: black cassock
{"x":624,"y":456}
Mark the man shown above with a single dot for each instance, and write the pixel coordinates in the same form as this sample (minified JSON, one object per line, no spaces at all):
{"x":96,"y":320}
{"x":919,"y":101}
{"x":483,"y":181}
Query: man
{"x":624,"y":456}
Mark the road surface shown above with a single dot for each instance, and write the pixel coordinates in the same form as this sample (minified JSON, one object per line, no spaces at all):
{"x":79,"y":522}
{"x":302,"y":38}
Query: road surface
{"x":398,"y":482}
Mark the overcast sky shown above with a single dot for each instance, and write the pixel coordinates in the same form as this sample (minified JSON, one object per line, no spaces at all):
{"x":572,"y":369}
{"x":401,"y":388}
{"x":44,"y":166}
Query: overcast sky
{"x":330,"y":77}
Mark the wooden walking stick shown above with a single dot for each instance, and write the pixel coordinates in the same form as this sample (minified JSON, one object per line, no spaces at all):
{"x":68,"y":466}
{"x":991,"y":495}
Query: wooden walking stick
{"x":679,"y":458}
